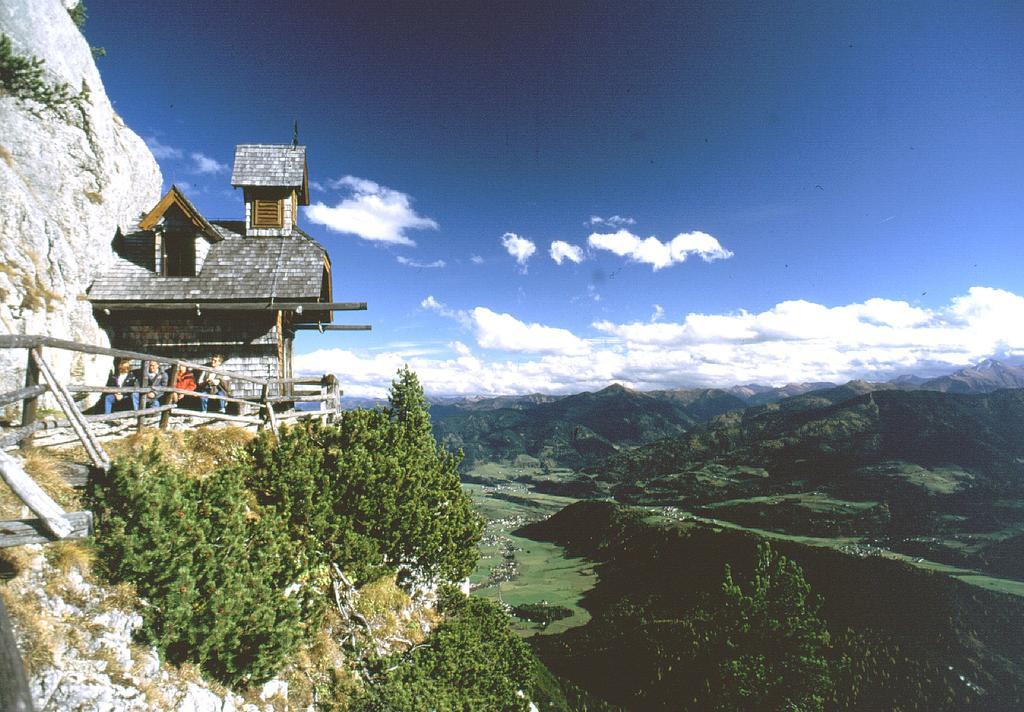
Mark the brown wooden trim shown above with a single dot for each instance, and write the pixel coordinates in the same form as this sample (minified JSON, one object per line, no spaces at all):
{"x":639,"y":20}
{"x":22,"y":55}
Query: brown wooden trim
{"x":332,"y":327}
{"x":280,"y":346}
{"x":231,"y":306}
{"x":175,"y":197}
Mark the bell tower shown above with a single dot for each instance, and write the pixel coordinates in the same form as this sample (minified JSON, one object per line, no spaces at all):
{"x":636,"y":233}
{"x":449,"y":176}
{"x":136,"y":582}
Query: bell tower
{"x":274,"y":183}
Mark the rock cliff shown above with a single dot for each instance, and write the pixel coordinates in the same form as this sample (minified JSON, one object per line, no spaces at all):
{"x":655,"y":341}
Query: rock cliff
{"x":70,"y":176}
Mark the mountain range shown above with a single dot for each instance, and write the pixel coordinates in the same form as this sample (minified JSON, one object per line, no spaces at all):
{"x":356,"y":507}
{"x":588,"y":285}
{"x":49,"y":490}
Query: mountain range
{"x":584,"y":429}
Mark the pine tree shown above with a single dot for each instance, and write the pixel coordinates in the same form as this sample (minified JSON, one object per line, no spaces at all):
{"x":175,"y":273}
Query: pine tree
{"x":773,"y":640}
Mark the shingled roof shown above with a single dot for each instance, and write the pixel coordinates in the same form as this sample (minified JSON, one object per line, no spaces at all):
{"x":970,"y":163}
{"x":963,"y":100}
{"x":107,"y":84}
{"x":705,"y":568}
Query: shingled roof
{"x":271,"y":165}
{"x":236,"y":268}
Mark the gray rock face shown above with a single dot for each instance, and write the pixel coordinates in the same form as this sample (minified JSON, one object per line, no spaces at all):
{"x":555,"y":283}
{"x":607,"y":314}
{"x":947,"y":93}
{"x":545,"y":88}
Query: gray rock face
{"x":69,"y":180}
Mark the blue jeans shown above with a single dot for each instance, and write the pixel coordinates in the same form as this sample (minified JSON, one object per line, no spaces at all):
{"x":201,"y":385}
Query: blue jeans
{"x":109,"y":400}
{"x":204,"y":402}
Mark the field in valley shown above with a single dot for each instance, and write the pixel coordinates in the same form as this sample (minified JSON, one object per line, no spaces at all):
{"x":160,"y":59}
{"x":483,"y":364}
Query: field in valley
{"x":520,"y":571}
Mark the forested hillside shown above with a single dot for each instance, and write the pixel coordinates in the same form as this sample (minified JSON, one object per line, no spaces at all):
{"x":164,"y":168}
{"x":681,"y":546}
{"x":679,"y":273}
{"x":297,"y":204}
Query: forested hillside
{"x":836,"y":431}
{"x":577,"y":430}
{"x":694,"y":617}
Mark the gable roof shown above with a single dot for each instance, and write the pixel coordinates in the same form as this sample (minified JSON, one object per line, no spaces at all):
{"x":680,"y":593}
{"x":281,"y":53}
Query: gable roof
{"x":176,"y":197}
{"x":271,"y":165}
{"x":236,"y":268}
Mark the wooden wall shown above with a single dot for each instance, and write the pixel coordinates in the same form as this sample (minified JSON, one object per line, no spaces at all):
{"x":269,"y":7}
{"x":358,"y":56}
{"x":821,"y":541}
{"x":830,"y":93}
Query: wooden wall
{"x":247,"y":340}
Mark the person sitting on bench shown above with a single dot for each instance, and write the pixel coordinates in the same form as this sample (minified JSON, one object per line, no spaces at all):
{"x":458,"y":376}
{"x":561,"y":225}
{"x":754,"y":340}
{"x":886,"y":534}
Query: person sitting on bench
{"x":154,"y":377}
{"x":214,"y":384}
{"x":120,"y":377}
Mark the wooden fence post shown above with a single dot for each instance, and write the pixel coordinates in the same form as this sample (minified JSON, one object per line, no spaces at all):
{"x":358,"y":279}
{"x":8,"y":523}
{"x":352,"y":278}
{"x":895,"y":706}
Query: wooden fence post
{"x":268,"y":410}
{"x":143,"y":398}
{"x":165,"y":417}
{"x":30,"y":404}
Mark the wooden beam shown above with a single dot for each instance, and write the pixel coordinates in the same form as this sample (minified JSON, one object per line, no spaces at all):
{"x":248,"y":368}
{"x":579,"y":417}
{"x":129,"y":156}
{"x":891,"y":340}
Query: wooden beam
{"x":304,"y":380}
{"x":143,"y":397}
{"x":332,"y":327}
{"x":311,"y":398}
{"x":71,"y":411}
{"x":16,"y":532}
{"x":165,"y":417}
{"x":14,"y":691}
{"x":159,"y":389}
{"x":33,"y":496}
{"x":292,"y":414}
{"x":271,"y":421}
{"x":30,"y":405}
{"x":21,"y":341}
{"x":218,"y":416}
{"x":231,"y":306}
{"x":122,"y":414}
{"x":22,"y":394}
{"x":11,"y":438}
{"x":75,"y":473}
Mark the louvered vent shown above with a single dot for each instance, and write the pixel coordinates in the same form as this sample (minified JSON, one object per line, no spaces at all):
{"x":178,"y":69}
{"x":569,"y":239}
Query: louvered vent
{"x":267,"y":213}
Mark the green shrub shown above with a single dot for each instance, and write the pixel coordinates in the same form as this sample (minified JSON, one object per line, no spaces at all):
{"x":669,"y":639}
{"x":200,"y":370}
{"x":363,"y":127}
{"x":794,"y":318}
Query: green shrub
{"x":372,"y":493}
{"x":212,"y":565}
{"x":236,"y":564}
{"x":472,"y":662}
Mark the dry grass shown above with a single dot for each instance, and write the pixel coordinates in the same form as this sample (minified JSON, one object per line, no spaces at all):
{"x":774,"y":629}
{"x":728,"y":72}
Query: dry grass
{"x":389,"y":610}
{"x":44,"y":467}
{"x":68,"y":555}
{"x":38,"y":642}
{"x":121,"y":596}
{"x":316,"y":670}
{"x":197,"y":452}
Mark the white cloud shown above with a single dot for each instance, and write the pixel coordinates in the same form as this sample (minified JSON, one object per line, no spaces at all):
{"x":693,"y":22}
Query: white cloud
{"x":518,"y":247}
{"x":613,"y":221}
{"x":424,"y":265}
{"x":460,"y":348}
{"x":476,"y":259}
{"x":506,"y":333}
{"x":317,"y":186}
{"x":564,"y":251}
{"x":371,"y":211}
{"x":659,"y":313}
{"x":204,"y":164}
{"x":160,"y":150}
{"x":791,"y":342}
{"x":458,"y":315}
{"x":660,"y":254}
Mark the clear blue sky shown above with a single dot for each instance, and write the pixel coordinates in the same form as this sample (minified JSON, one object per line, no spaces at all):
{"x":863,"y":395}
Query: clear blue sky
{"x":840,"y":178}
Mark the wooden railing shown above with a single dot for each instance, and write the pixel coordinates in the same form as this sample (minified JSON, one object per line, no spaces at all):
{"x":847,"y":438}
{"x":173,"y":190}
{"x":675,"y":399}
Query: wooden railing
{"x":275,"y":404}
